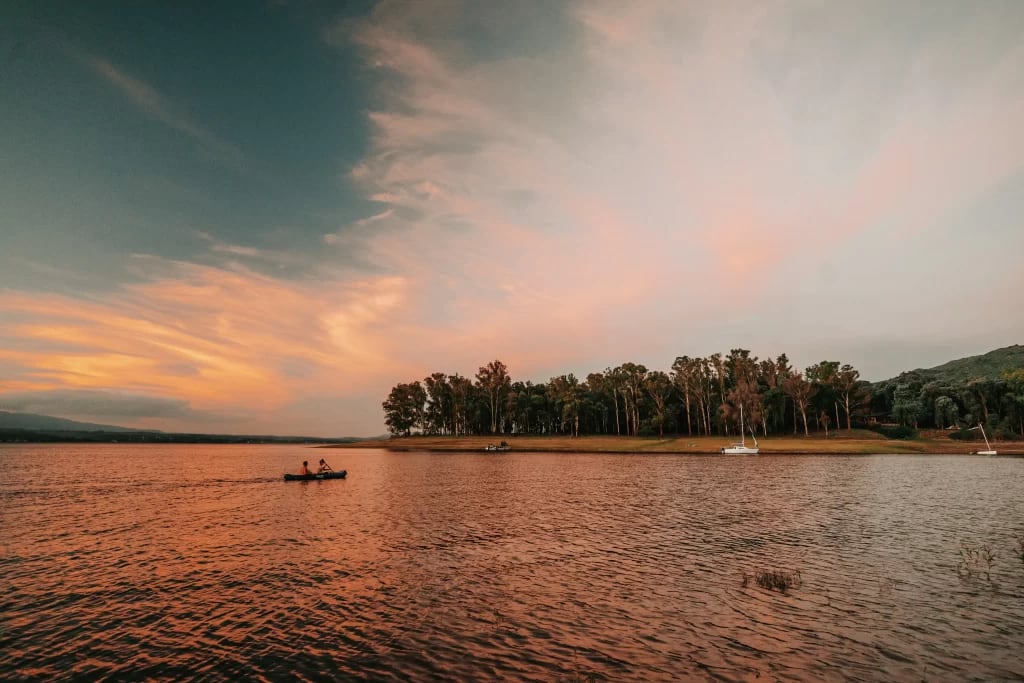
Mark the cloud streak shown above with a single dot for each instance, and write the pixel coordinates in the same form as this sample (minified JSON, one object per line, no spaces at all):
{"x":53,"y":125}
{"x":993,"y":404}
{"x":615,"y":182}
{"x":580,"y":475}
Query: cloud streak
{"x":224,"y":341}
{"x":665,"y":147}
{"x":161,"y":108}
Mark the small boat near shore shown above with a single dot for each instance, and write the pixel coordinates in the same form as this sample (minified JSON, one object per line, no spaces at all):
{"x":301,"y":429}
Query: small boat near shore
{"x":742,"y":448}
{"x":503,"y":446}
{"x":313,"y":477}
{"x":988,"y":447}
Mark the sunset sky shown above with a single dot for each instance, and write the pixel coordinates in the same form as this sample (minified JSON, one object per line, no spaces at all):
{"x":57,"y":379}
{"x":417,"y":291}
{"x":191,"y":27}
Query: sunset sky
{"x":259,"y":217}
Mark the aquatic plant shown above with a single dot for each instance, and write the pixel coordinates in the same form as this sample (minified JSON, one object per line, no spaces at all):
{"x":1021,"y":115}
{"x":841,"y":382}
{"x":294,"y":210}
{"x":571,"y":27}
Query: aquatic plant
{"x":975,"y":560}
{"x":774,"y":580}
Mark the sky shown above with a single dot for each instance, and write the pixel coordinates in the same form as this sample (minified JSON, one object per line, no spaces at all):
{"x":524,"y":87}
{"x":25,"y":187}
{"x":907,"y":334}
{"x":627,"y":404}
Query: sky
{"x":258,"y":217}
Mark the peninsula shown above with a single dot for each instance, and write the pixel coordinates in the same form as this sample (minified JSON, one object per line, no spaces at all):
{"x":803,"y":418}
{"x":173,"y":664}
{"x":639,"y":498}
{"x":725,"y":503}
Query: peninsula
{"x":856,"y":442}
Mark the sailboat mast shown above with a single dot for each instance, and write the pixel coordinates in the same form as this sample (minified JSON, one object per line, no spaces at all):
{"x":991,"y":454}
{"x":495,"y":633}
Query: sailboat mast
{"x":743,"y":439}
{"x":988,"y":446}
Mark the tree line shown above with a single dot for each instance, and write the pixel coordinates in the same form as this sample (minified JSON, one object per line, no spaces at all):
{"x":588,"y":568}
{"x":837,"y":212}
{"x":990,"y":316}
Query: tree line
{"x":698,"y":396}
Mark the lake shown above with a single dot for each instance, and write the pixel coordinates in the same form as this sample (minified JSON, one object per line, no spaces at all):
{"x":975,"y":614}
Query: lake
{"x":184,"y":562}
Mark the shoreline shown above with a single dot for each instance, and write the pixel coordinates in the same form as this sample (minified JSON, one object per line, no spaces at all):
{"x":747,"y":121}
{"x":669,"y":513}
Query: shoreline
{"x":858,"y":444}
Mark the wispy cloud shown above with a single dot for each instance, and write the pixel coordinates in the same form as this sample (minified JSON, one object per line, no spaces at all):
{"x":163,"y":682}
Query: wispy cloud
{"x":161,"y":108}
{"x":225,"y":341}
{"x":664,"y":146}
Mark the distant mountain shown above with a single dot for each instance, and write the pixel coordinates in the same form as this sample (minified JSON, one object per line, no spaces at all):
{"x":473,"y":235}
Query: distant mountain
{"x":46,"y":423}
{"x":21,"y":427}
{"x":986,"y":366}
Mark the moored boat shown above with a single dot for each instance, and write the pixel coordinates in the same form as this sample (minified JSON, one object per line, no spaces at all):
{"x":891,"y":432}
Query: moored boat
{"x":742,"y":448}
{"x":988,"y":447}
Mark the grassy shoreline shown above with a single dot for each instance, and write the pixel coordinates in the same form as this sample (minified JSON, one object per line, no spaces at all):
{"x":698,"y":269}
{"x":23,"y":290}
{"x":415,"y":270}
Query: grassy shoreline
{"x":840,"y":443}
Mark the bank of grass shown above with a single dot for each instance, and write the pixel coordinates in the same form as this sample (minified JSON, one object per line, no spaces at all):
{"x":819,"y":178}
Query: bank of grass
{"x":855,"y":442}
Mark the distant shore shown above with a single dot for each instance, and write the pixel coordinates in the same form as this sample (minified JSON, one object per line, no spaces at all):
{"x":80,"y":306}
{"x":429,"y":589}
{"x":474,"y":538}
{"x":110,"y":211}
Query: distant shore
{"x":859,"y":442}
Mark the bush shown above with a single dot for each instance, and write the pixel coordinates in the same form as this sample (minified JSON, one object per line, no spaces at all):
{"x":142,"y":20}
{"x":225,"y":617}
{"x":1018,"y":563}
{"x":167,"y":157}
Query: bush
{"x":895,"y":431}
{"x":964,"y":435}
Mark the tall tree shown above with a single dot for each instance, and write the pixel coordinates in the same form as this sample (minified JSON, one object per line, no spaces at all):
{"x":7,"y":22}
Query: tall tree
{"x":439,"y":399}
{"x":846,"y":382}
{"x":800,"y":390}
{"x":717,"y":369}
{"x":632,"y":378}
{"x":906,"y":406}
{"x":461,"y":392}
{"x":494,"y":381}
{"x":568,"y":394}
{"x":404,"y":408}
{"x":684,"y":371}
{"x":659,"y":388}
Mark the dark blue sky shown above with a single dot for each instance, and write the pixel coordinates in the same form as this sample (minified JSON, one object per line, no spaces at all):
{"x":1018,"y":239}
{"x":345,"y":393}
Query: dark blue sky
{"x":245,"y":128}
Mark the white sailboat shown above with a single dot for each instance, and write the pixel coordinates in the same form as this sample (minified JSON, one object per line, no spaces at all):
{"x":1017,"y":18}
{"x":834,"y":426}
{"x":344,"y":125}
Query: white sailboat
{"x":741,"y":448}
{"x":988,"y":447}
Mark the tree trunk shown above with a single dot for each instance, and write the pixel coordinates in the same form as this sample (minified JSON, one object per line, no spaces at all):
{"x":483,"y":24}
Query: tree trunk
{"x":689,"y":427}
{"x":615,"y":399}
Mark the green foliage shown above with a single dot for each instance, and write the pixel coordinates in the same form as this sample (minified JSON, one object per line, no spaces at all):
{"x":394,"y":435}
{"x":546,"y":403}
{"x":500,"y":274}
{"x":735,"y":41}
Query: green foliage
{"x":986,"y":366}
{"x":404,"y":408}
{"x":703,"y":396}
{"x":902,"y":432}
{"x":963,"y":435}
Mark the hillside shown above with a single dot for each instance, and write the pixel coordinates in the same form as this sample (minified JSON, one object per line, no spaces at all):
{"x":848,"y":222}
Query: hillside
{"x":30,"y":421}
{"x":986,"y":366}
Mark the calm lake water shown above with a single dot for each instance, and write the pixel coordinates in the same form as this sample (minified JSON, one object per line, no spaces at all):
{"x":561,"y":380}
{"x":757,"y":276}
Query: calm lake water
{"x":198,"y":562}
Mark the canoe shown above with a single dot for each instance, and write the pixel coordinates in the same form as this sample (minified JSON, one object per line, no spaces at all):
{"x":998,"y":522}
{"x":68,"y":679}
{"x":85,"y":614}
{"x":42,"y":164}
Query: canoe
{"x":313,"y":477}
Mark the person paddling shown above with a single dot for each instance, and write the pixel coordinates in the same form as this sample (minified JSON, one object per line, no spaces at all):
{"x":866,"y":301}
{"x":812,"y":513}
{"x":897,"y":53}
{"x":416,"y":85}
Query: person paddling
{"x":324,"y":467}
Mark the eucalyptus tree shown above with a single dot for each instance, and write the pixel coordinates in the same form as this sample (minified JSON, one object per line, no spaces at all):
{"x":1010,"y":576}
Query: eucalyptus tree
{"x":614,"y":384}
{"x":717,"y":370}
{"x":685,"y":377}
{"x":801,"y":391}
{"x":438,"y":413}
{"x":541,"y":408}
{"x":598,"y":397}
{"x":743,"y":379}
{"x":771,"y":375}
{"x":493,"y":380}
{"x":518,"y":406}
{"x":659,"y":388}
{"x":461,"y":389}
{"x":847,"y":383}
{"x":823,"y":376}
{"x":632,"y":380}
{"x":745,"y":396}
{"x":567,"y":394}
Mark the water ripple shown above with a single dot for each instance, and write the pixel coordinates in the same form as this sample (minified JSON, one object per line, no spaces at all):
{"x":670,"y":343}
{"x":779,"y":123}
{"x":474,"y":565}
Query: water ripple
{"x":200,"y":563}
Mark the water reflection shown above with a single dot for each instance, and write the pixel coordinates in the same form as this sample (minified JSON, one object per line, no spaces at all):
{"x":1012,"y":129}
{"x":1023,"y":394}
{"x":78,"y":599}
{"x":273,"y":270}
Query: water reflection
{"x":189,"y":562}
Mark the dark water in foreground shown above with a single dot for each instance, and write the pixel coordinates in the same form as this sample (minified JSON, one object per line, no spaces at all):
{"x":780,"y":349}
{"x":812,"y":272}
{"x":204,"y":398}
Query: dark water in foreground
{"x":198,"y":562}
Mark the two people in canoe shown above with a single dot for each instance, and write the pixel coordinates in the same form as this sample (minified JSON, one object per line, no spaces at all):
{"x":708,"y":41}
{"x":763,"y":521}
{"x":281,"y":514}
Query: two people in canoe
{"x":324,"y":467}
